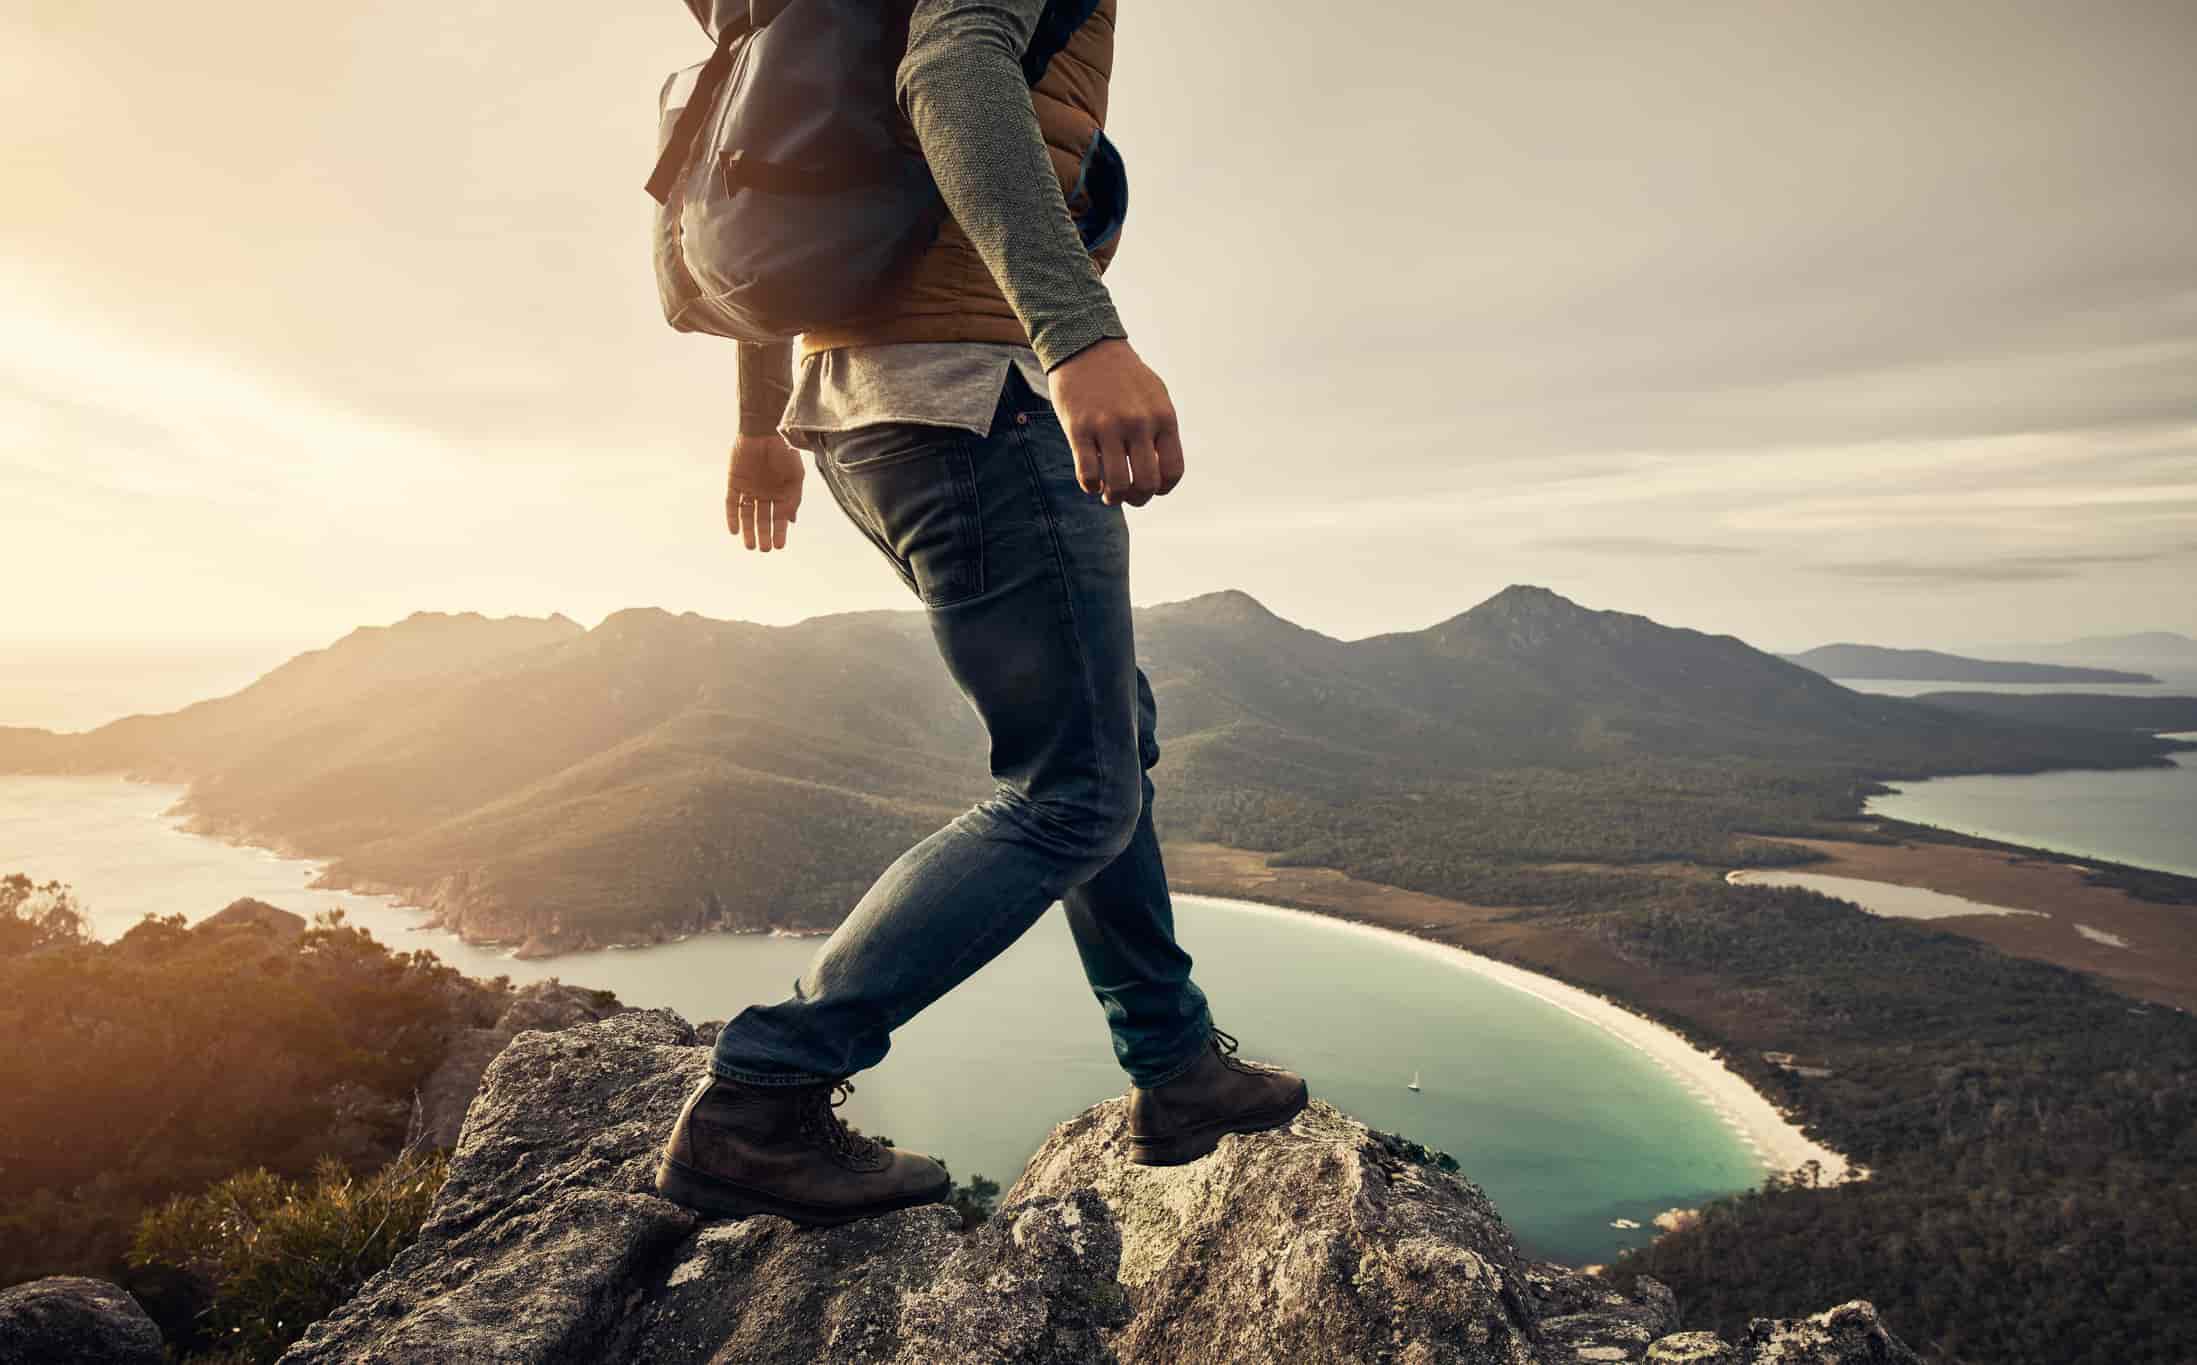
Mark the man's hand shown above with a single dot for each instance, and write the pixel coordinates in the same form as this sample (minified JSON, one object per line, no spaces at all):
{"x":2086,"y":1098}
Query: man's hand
{"x":762,"y":491}
{"x":1120,"y":423}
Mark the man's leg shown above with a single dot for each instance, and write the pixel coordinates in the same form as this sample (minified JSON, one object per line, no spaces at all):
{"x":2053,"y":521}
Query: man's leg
{"x":1124,"y":926}
{"x":1025,"y":578}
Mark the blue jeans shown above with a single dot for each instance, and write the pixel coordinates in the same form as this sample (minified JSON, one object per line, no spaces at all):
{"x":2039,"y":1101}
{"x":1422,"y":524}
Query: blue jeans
{"x":1025,"y":580}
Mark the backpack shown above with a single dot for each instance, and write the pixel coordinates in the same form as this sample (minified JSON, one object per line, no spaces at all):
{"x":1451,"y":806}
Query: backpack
{"x":789,"y":197}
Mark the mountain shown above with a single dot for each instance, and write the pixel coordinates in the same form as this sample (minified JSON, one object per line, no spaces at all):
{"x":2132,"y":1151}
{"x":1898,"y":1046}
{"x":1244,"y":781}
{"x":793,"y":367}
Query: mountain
{"x":528,"y":780}
{"x":424,"y":646}
{"x":1928,"y":665}
{"x":2157,"y":650}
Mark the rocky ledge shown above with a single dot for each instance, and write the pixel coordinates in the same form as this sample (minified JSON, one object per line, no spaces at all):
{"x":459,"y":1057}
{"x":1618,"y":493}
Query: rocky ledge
{"x":1326,"y":1242}
{"x":84,"y":1322}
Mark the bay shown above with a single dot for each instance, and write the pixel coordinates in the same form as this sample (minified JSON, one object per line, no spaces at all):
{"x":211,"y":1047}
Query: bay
{"x":2146,"y":817}
{"x":1568,"y":1127}
{"x":2143,"y":816}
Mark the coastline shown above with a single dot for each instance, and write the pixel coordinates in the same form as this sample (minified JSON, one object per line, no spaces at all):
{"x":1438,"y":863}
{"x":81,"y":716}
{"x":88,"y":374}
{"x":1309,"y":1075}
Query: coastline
{"x":1773,"y":1136}
{"x":2154,"y":960}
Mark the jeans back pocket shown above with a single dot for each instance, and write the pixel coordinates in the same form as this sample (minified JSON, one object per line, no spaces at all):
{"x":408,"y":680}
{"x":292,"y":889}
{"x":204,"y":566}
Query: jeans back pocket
{"x":917,"y":486}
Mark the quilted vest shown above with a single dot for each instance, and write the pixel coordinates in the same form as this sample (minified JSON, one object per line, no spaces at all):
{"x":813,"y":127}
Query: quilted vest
{"x":949,"y":294}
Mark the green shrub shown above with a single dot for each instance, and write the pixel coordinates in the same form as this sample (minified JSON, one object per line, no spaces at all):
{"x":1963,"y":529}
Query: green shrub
{"x":276,"y":1255}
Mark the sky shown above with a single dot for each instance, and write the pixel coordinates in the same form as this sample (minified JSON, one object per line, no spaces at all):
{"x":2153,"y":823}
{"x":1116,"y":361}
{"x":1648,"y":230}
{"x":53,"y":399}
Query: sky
{"x":1799,"y":321}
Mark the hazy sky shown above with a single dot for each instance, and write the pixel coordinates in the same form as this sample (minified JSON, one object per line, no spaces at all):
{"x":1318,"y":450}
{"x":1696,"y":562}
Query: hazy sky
{"x":1801,"y":321}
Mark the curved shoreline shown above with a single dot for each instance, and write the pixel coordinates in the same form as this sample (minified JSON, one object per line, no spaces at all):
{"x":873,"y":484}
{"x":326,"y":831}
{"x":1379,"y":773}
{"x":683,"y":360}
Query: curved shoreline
{"x":1759,"y":1124}
{"x":1775,"y":1139}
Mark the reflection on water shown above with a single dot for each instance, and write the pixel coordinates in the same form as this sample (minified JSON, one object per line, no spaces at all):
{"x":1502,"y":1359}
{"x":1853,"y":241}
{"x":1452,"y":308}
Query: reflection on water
{"x":2146,"y":817}
{"x":1878,"y":898}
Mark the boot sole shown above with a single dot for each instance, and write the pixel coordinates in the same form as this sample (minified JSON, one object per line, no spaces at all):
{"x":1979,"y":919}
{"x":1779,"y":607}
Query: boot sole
{"x":720,"y":1198}
{"x":1177,"y":1149}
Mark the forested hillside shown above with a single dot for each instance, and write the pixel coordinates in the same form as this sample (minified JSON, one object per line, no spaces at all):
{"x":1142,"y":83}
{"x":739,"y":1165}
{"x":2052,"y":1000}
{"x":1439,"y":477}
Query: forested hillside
{"x":662,"y":774}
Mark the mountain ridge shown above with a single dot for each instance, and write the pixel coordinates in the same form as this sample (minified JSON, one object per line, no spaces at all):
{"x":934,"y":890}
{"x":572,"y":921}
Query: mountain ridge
{"x":533,"y":782}
{"x":1868,"y":662}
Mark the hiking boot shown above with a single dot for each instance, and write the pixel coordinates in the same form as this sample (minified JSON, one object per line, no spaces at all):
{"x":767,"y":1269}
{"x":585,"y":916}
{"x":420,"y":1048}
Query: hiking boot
{"x":1185,"y":1118}
{"x":743,"y":1149}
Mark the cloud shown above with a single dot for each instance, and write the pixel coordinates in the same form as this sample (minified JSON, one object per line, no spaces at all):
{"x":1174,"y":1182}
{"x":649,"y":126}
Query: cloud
{"x":1644,"y":546}
{"x":2009,"y":569}
{"x":1933,"y":305}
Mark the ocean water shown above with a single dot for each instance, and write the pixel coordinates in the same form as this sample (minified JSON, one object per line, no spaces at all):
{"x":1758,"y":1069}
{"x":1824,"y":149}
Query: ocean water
{"x":2143,"y":816}
{"x":2172,"y":683}
{"x":1566,"y":1126}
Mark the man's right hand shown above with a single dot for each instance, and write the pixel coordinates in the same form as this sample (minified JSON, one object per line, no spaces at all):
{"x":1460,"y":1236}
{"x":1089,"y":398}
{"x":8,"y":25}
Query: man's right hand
{"x":762,"y":491}
{"x":1120,"y":423}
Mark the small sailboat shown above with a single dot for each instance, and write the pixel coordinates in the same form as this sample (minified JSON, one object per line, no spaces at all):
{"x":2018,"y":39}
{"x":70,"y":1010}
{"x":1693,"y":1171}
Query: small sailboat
{"x":1414,"y":1085}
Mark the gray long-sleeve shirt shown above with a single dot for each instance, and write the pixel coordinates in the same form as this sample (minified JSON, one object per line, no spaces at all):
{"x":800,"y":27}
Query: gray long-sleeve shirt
{"x":963,"y":89}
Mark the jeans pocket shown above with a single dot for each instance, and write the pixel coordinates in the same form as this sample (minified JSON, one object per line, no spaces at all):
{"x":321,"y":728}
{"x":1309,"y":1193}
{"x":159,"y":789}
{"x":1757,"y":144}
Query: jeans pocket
{"x":922,"y":498}
{"x":882,"y":443}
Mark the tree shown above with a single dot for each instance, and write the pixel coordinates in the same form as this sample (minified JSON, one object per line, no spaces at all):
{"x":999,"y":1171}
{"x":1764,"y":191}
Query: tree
{"x":32,"y":916}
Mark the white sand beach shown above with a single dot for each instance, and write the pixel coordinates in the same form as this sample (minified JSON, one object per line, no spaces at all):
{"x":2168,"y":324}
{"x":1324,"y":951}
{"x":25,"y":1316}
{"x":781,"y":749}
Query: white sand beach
{"x":1757,"y":1122}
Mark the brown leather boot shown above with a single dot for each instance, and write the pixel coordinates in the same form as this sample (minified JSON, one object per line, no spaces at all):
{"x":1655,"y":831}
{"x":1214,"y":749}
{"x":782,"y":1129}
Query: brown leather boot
{"x":1185,"y":1118}
{"x":742,"y":1149}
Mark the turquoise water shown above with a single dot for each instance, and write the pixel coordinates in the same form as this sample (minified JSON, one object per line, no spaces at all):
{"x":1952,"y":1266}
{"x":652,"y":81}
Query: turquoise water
{"x":2144,"y":816}
{"x":1565,"y":1126}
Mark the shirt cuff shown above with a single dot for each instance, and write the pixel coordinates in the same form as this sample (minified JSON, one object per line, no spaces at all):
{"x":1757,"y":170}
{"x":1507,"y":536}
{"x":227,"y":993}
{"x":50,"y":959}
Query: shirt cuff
{"x":1059,"y":340}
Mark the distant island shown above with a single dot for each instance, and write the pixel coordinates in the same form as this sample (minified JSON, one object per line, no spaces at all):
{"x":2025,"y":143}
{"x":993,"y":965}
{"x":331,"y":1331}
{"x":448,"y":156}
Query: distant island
{"x":2151,"y":649}
{"x":1874,"y":662}
{"x":2089,"y":710}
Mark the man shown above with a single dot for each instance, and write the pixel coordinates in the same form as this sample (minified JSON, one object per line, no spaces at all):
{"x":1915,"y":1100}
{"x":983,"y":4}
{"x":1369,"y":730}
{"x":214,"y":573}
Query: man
{"x":929,"y":425}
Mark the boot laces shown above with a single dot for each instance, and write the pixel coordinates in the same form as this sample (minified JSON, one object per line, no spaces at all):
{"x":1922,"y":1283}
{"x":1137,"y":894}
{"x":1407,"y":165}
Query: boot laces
{"x":821,"y":1123}
{"x":1224,"y":1043}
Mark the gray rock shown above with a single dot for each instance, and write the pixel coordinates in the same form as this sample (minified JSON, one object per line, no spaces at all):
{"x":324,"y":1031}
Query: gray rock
{"x":449,"y":1089}
{"x":1585,"y":1315}
{"x":84,"y":1322}
{"x":1693,"y":1348}
{"x":1035,"y":1286}
{"x":554,"y":1005}
{"x":1326,"y":1242}
{"x":764,"y":1292}
{"x":545,"y":1227}
{"x":1849,"y":1334}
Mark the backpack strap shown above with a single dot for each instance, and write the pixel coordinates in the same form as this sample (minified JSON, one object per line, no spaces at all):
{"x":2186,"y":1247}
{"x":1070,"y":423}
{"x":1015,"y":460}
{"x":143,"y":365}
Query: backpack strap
{"x":698,"y":106}
{"x":1055,"y":27}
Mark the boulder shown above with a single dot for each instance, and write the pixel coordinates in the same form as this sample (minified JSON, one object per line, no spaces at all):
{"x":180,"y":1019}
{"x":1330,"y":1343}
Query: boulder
{"x":554,"y":1005}
{"x":1849,"y":1334}
{"x":1323,"y":1242}
{"x":1693,"y":1348}
{"x":450,"y":1087}
{"x":84,"y":1322}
